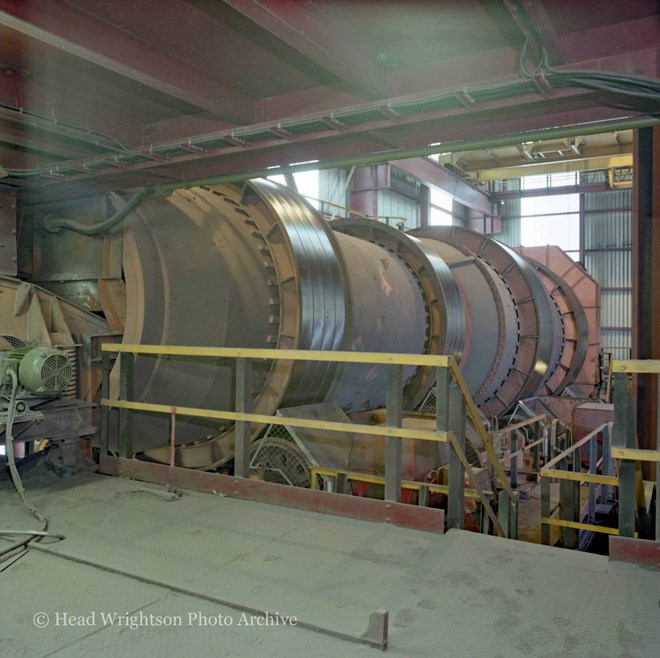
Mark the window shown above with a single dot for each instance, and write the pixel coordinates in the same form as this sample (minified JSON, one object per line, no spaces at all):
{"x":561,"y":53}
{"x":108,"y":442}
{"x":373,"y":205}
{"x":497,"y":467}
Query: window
{"x":540,"y":181}
{"x":551,"y":220}
{"x":441,"y":206}
{"x":307,"y":183}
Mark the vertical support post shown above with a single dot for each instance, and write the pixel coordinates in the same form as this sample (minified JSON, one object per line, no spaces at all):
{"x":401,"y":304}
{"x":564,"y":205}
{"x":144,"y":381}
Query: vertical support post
{"x":553,"y":441}
{"x":486,"y":523}
{"x":456,"y":502}
{"x":126,"y":362}
{"x":423,"y":496}
{"x":442,"y":382}
{"x":593,"y":469}
{"x":105,"y":394}
{"x":242,"y":429}
{"x":514,"y":442}
{"x":545,"y":510}
{"x":657,"y":467}
{"x":507,"y":514}
{"x":497,"y":440}
{"x":624,"y":437}
{"x":394,"y":418}
{"x":581,"y":229}
{"x":424,"y":205}
{"x":646,"y":280}
{"x":567,"y":505}
{"x":540,"y":432}
{"x":172,"y":436}
{"x":608,"y":465}
{"x":577,"y":468}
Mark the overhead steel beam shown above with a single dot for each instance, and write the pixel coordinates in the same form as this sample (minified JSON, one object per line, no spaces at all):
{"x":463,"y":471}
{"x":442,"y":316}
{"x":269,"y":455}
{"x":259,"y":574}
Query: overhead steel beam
{"x":432,"y":174}
{"x":611,"y":41}
{"x":302,"y":26}
{"x":65,"y":115}
{"x":535,"y":24}
{"x":521,"y":161}
{"x":550,"y":167}
{"x":42,"y":145}
{"x":420,"y":129}
{"x":57,"y":25}
{"x":239,"y":164}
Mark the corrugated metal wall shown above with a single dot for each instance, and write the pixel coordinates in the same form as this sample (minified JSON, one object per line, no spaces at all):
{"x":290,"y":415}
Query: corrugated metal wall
{"x":510,"y":223}
{"x":392,"y":204}
{"x":607,"y":255}
{"x":332,"y":188}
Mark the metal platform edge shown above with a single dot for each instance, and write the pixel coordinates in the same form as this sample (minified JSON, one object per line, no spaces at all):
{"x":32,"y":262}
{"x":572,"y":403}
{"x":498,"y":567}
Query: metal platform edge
{"x":363,"y":509}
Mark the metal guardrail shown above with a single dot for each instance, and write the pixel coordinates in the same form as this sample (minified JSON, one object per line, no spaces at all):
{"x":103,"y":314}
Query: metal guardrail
{"x":424,"y":488}
{"x":619,"y":465}
{"x":517,"y":434}
{"x":567,"y":468}
{"x":452,"y":402}
{"x":350,"y":213}
{"x":624,"y":442}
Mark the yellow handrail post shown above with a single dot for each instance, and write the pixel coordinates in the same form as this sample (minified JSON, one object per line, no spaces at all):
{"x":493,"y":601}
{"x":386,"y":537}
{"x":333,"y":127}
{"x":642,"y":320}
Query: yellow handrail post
{"x":242,"y":434}
{"x":126,"y":361}
{"x":394,"y":419}
{"x":624,"y":436}
{"x":106,"y":365}
{"x":455,"y":503}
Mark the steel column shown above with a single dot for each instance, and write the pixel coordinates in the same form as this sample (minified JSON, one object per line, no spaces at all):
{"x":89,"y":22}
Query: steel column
{"x":545,"y":510}
{"x":646,"y":279}
{"x":623,"y":436}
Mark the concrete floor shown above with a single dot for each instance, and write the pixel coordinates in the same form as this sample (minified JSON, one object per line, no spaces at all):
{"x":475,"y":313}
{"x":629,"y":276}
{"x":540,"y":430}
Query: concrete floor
{"x":455,"y":595}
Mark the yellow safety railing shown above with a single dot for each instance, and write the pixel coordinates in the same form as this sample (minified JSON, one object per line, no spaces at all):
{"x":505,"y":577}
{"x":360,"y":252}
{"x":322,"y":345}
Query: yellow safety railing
{"x":447,"y":369}
{"x":535,"y":426}
{"x":624,"y":444}
{"x":567,"y":468}
{"x":409,"y":485}
{"x":350,"y":213}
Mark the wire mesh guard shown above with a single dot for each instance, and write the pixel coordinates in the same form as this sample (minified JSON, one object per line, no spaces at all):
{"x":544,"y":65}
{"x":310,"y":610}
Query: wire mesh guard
{"x":428,"y":404}
{"x":278,"y":459}
{"x":57,"y":372}
{"x":9,"y":343}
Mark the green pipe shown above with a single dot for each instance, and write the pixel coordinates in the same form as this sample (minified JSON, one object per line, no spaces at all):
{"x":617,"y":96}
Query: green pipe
{"x":509,"y":139}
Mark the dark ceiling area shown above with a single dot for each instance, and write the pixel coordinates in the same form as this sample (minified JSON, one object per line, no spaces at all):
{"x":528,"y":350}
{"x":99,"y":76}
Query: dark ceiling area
{"x":102,"y":94}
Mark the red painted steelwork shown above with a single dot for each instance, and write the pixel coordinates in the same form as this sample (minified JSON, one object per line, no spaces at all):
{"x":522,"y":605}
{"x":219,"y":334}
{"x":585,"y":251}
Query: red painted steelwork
{"x":363,"y":509}
{"x":643,"y":552}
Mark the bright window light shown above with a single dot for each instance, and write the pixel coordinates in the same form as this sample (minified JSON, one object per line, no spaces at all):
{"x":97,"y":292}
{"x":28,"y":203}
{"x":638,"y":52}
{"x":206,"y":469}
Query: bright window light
{"x":441,"y":205}
{"x":307,"y":183}
{"x":439,"y":217}
{"x":534,"y":182}
{"x":552,"y":220}
{"x":441,"y":199}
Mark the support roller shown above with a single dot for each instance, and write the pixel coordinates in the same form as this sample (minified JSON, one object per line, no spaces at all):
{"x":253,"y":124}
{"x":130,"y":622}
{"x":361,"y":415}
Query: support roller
{"x":254,"y":265}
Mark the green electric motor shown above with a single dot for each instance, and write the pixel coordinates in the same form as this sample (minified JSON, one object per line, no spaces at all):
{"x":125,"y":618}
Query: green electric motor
{"x":42,"y":370}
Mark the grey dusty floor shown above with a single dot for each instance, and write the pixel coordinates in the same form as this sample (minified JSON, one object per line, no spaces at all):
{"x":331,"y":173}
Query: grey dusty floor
{"x":460,"y":594}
